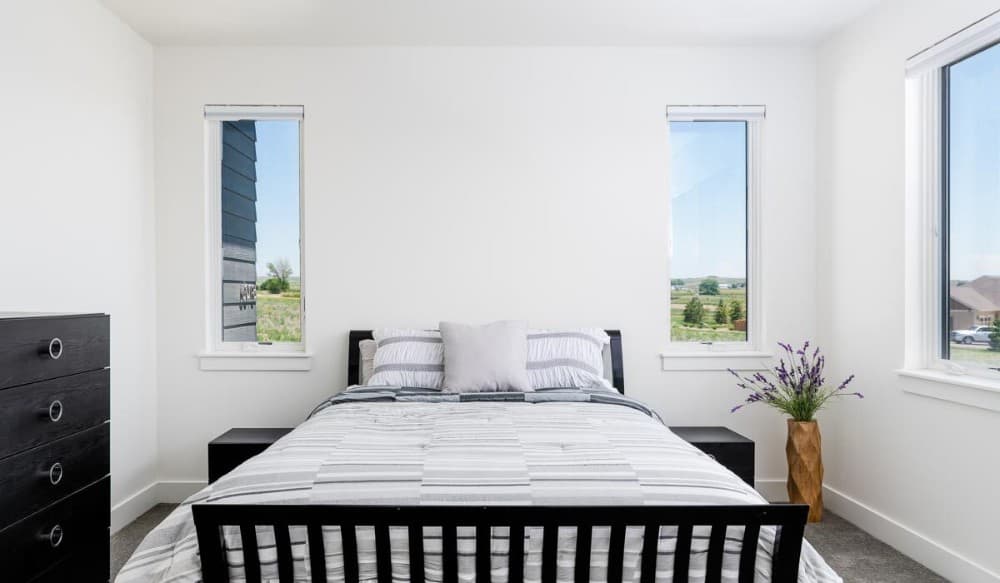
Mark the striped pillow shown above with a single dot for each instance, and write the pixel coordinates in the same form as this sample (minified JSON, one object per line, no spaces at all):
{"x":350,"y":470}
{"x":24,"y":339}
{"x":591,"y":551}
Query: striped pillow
{"x":567,"y":358}
{"x":408,"y":358}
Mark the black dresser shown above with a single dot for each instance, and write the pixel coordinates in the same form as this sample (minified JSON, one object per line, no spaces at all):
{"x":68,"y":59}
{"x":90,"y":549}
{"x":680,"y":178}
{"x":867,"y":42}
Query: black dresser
{"x":55,"y":504}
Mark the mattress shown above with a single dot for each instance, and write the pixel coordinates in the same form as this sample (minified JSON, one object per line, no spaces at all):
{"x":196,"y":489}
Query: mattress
{"x":395,"y":446}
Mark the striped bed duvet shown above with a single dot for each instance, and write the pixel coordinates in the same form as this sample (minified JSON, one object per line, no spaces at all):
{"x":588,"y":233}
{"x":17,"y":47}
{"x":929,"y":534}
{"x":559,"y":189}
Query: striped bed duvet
{"x":399,"y":446}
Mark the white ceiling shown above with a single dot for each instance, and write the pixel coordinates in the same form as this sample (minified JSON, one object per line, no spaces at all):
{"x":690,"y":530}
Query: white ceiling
{"x":482,"y":22}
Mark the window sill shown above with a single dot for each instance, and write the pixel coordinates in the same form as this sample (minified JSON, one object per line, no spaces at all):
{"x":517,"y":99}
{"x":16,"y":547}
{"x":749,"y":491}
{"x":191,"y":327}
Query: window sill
{"x":287,"y":362}
{"x":962,"y":389}
{"x":714,"y":361}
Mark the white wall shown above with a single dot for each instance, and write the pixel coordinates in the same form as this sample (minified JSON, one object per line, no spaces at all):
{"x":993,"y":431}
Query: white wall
{"x":930,"y":467}
{"x":76,"y":196}
{"x":475,"y":184}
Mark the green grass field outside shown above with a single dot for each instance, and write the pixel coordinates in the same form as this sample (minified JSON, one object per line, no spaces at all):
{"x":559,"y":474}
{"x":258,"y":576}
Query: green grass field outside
{"x":709,"y":330}
{"x":975,"y":354}
{"x":279,"y":318}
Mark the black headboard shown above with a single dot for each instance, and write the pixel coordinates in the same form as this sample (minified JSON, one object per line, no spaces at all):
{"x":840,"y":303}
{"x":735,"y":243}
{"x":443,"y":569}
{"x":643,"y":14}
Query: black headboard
{"x":356,"y":336}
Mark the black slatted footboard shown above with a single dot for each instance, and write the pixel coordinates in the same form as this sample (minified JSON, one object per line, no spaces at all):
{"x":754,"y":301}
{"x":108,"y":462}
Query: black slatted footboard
{"x":789,"y":519}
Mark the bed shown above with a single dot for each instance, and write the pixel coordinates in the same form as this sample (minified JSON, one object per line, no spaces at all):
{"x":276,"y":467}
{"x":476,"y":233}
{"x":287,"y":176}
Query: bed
{"x":403,"y":484}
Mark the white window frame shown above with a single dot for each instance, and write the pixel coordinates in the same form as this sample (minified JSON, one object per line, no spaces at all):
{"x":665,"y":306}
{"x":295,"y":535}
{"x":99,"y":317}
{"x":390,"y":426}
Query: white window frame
{"x":219,"y":355}
{"x":749,"y":355}
{"x":925,"y":297}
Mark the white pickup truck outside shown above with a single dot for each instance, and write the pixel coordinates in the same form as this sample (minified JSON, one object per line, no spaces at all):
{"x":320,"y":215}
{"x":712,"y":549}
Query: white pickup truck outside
{"x":976,"y":334}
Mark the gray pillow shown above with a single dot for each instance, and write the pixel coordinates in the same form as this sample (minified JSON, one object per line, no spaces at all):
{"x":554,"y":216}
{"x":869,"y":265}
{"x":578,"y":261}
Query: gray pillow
{"x":480,"y":359}
{"x":367,"y":349}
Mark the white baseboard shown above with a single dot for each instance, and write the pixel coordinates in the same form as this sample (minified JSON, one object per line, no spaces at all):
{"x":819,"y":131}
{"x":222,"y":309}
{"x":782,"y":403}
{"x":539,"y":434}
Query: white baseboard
{"x":166,"y":492}
{"x":935,"y":556}
{"x":126,"y":511}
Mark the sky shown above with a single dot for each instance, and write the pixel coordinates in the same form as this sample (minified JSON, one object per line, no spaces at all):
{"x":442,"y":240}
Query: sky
{"x":975,"y":166}
{"x":708,"y":198}
{"x":277,"y":193}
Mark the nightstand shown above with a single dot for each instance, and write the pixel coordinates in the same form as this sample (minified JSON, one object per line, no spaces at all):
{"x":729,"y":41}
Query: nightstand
{"x":724,"y":445}
{"x":237,"y":445}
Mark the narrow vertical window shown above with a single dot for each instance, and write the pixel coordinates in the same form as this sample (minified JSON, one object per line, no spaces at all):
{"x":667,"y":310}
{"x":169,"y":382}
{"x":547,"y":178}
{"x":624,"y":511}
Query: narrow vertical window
{"x":712,"y":188}
{"x":970,"y":209}
{"x":952,"y":275}
{"x":255,"y":187}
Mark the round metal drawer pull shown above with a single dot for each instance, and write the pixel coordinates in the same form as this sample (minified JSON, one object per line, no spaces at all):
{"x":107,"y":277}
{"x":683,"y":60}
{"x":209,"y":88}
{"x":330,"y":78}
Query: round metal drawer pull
{"x":55,"y":411}
{"x":53,"y":350}
{"x":55,"y":536}
{"x":55,"y":473}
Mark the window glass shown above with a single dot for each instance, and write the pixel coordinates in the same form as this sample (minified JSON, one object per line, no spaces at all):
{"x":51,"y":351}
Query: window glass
{"x":708,"y":197}
{"x":971,"y":210}
{"x":261,"y":268}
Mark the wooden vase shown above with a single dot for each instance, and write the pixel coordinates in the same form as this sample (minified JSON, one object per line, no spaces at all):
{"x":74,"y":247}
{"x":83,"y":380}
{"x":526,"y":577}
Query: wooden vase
{"x":804,"y":449}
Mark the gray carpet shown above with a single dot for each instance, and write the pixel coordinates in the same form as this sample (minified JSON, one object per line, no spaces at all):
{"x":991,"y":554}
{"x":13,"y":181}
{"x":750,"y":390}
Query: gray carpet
{"x":124,"y":541}
{"x":855,"y":554}
{"x":859,"y":557}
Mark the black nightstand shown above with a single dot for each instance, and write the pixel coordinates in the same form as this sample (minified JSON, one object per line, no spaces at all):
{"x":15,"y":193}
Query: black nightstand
{"x":724,"y":445}
{"x":236,"y":446}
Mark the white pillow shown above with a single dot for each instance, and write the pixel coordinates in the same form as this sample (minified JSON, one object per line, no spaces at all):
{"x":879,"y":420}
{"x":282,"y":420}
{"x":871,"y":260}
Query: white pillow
{"x":567,"y":358}
{"x":408,"y":358}
{"x":489,"y":358}
{"x":367,"y":349}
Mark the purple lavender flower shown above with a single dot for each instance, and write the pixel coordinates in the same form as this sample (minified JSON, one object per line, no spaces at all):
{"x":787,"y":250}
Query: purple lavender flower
{"x":796,"y":385}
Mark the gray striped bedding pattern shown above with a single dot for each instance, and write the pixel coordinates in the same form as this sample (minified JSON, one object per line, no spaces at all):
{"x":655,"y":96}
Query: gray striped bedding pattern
{"x":390,"y":445}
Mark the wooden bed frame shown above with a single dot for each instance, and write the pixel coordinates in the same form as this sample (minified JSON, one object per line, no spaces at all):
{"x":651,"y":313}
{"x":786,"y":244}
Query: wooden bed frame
{"x":788,"y":519}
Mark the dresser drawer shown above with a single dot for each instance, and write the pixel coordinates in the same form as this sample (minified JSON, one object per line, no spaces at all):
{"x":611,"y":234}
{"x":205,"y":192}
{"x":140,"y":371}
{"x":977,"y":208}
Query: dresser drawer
{"x":31,"y":480}
{"x":89,"y":565}
{"x":34,"y":349}
{"x":35,"y":414}
{"x":74,"y":527}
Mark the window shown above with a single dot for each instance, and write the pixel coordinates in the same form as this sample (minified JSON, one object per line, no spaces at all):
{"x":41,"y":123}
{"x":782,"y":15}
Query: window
{"x":255,"y":290}
{"x":971,"y":208}
{"x":714,"y":191}
{"x":953,"y":196}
